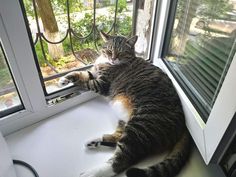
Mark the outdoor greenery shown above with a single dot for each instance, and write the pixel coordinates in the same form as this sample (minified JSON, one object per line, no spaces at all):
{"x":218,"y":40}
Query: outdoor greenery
{"x":83,"y":26}
{"x":5,"y":77}
{"x":4,"y":71}
{"x":2,"y":60}
{"x":203,"y":11}
{"x":214,"y":10}
{"x":206,"y":8}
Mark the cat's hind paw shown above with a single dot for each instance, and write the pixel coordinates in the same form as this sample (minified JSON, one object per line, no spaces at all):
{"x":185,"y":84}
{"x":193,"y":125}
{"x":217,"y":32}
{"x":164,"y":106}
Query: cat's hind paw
{"x":104,"y":170}
{"x":93,"y":144}
{"x":84,"y":174}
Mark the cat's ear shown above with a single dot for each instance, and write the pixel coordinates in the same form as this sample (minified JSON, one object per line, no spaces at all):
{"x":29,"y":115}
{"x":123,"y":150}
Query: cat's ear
{"x":105,"y":37}
{"x":131,"y":41}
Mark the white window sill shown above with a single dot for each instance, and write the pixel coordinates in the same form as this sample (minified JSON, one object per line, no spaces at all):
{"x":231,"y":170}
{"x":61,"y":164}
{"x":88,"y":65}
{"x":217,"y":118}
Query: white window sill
{"x":55,"y":146}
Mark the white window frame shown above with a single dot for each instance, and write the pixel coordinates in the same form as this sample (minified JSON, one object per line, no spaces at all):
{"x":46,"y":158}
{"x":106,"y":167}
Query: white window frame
{"x":16,"y":43}
{"x":207,"y":136}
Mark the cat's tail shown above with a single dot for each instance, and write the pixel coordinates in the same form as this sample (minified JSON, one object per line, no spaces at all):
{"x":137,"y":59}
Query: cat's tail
{"x":171,"y":165}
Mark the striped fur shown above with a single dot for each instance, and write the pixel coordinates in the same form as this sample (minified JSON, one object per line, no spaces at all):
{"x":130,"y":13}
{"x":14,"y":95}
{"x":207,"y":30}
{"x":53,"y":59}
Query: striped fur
{"x":156,"y":120}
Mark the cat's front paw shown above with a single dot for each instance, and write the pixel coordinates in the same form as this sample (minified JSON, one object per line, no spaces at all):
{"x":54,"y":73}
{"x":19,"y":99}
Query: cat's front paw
{"x":68,"y":78}
{"x":63,"y":81}
{"x":76,"y":77}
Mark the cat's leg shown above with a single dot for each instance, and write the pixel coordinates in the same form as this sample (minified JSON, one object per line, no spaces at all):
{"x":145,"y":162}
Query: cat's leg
{"x":123,"y":108}
{"x":108,"y":139}
{"x":104,"y":170}
{"x":122,"y":159}
{"x":86,"y":81}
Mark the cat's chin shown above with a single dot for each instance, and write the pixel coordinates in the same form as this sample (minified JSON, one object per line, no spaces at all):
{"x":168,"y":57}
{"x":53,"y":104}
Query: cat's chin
{"x":101,"y":60}
{"x":115,"y":62}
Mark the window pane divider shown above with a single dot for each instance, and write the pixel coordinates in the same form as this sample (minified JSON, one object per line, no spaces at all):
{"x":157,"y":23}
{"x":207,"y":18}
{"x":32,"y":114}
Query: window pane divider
{"x":13,"y":66}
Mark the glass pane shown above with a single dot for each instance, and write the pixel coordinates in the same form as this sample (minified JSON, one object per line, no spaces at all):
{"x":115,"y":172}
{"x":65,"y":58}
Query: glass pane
{"x":202,"y":46}
{"x":65,"y":32}
{"x":9,"y":98}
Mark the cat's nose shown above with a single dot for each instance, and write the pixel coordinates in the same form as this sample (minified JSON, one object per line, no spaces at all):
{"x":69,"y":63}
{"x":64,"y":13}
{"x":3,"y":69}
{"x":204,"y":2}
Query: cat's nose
{"x":116,"y":61}
{"x":114,"y":56}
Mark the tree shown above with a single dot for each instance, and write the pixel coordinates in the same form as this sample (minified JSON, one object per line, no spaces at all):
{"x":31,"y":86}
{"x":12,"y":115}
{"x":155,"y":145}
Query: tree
{"x":207,"y":9}
{"x":59,"y":6}
{"x":50,"y":26}
{"x":182,"y":34}
{"x":2,"y":60}
{"x":212,"y":10}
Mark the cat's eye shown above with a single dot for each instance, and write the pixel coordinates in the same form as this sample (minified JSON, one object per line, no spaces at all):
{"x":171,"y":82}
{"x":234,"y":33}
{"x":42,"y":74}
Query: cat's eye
{"x":109,"y":52}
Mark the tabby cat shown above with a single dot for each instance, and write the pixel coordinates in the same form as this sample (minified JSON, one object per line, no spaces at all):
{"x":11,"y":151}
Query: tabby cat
{"x":150,"y":114}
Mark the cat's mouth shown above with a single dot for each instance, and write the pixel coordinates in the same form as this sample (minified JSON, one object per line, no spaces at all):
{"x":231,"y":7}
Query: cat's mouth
{"x":114,"y":61}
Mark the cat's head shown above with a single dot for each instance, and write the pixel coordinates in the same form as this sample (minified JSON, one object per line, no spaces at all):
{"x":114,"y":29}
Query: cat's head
{"x":118,"y":49}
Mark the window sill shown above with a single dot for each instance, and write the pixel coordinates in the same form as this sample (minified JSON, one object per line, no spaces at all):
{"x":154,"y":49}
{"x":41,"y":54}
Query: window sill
{"x":25,"y":118}
{"x":55,"y":146}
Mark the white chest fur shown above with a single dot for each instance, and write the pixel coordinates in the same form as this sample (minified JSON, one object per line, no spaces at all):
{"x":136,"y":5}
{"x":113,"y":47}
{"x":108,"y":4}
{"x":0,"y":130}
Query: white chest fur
{"x":120,"y":110}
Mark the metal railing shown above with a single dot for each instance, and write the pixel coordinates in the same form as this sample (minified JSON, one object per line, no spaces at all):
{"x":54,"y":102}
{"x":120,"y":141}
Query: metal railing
{"x":40,"y":37}
{"x":70,"y":32}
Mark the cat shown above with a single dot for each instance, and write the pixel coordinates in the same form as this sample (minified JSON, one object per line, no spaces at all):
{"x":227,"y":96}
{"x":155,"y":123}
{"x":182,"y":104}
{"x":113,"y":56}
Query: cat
{"x":150,"y":114}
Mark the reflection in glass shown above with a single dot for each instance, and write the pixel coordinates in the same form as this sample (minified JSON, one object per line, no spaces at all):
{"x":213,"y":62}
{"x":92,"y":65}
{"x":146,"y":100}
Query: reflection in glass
{"x":202,"y":46}
{"x":9,"y":97}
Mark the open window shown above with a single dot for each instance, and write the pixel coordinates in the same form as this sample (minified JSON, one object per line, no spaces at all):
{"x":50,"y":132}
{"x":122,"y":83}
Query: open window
{"x":76,"y":25}
{"x":196,"y":48}
{"x":200,"y":48}
{"x":65,"y":34}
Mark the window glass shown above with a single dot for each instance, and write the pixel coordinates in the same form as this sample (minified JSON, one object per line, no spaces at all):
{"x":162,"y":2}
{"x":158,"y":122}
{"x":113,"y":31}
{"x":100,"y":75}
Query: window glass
{"x":145,"y":10}
{"x":201,"y":48}
{"x":9,"y":99}
{"x":66,"y":36}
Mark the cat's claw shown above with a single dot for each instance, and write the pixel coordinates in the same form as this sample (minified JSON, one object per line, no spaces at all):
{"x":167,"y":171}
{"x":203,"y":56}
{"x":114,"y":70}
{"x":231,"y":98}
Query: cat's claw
{"x":86,"y":175}
{"x":93,"y":145}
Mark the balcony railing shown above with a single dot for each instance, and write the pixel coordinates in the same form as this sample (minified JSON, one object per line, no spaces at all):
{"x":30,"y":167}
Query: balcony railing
{"x":40,"y":37}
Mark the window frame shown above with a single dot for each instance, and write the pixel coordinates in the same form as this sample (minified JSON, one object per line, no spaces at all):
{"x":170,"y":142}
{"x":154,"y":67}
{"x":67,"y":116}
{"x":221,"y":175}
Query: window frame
{"x":11,"y":61}
{"x":17,"y":46}
{"x":204,"y":134}
{"x":22,"y":60}
{"x":188,"y":88}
